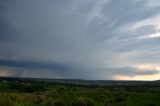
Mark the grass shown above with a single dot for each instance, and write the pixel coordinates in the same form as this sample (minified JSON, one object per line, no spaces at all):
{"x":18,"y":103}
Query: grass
{"x":22,"y":93}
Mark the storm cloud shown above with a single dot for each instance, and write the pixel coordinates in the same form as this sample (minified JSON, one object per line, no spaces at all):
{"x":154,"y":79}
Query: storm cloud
{"x":93,"y":39}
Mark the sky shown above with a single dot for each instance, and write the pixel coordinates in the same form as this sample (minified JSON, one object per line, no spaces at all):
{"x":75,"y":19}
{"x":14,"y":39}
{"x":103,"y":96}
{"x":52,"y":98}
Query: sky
{"x":80,"y":39}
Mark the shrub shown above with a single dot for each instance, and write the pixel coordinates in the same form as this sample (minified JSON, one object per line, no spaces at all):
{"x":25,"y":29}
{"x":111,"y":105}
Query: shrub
{"x":119,"y":98}
{"x":89,"y":102}
{"x":37,"y":87}
{"x":6,"y":102}
{"x":61,"y":88}
{"x":58,"y":103}
{"x":51,"y":94}
{"x":152,"y":104}
{"x":40,"y":99}
{"x":79,"y":102}
{"x":108,"y":104}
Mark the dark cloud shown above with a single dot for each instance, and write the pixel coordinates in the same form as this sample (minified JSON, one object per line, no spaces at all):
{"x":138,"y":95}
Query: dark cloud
{"x":33,"y":65}
{"x":76,"y":38}
{"x":18,"y":68}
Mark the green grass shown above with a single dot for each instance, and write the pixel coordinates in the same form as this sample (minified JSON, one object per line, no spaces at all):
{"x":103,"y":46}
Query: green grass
{"x":50,"y":94}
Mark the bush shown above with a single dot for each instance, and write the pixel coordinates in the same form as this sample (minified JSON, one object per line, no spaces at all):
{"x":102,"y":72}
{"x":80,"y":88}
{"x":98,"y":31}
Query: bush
{"x":79,"y":102}
{"x":152,"y":104}
{"x":83,"y":102}
{"x":40,"y":99}
{"x":119,"y":98}
{"x":58,"y":103}
{"x":6,"y":102}
{"x":89,"y":102}
{"x":108,"y":104}
{"x":61,"y":88}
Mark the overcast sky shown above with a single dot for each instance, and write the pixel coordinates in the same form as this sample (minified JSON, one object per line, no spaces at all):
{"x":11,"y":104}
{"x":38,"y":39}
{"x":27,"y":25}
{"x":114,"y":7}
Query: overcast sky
{"x":80,"y":39}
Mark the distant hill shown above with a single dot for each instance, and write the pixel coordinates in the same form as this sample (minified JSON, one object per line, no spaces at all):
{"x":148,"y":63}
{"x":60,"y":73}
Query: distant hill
{"x":84,"y":82}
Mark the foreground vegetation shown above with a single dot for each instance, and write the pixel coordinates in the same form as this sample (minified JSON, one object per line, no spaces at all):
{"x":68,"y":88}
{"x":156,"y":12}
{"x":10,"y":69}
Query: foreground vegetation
{"x":34,"y":93}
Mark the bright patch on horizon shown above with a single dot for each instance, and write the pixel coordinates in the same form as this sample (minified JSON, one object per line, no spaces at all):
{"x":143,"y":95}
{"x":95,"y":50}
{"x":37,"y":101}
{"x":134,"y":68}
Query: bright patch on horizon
{"x":138,"y":77}
{"x":141,"y":67}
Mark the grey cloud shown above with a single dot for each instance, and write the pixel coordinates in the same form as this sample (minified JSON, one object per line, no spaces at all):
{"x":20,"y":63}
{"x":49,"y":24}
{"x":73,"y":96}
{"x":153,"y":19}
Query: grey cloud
{"x":74,"y":38}
{"x":28,"y":73}
{"x":119,"y":14}
{"x":138,"y":44}
{"x":32,"y":64}
{"x":124,"y":71}
{"x":129,"y":11}
{"x":145,"y":30}
{"x":23,"y":68}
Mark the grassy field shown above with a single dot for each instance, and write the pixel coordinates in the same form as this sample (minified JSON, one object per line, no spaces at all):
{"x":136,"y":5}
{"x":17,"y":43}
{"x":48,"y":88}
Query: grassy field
{"x":34,"y":93}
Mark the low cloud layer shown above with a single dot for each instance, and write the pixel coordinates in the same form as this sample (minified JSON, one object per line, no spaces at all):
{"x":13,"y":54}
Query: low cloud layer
{"x":93,"y":39}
